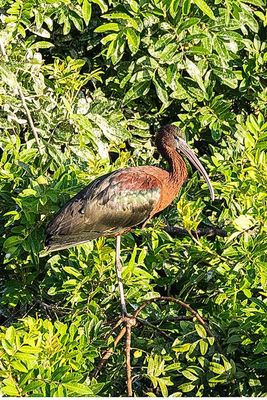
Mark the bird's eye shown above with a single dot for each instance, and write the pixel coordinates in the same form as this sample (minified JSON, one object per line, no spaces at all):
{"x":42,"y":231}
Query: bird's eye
{"x":180,"y":135}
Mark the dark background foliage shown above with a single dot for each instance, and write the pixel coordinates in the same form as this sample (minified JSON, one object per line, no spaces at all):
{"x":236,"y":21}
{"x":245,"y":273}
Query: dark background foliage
{"x":84,"y":86}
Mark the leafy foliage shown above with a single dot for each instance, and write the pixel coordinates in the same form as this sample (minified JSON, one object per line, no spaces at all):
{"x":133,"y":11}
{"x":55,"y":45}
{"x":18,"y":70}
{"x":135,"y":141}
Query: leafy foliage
{"x":81,"y":83}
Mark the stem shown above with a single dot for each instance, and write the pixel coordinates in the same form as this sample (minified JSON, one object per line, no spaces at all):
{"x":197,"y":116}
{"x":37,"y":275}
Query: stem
{"x":119,"y":270}
{"x":128,"y":357}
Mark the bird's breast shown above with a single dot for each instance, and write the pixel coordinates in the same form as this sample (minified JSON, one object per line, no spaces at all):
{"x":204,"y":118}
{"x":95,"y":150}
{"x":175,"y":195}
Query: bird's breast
{"x":170,"y":186}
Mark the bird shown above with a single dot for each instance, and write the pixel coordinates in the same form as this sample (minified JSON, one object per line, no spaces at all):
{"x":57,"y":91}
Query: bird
{"x":118,"y":201}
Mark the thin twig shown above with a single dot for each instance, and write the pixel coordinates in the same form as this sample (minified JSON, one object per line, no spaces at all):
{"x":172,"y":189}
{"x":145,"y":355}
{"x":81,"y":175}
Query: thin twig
{"x":144,"y":322}
{"x":113,"y":329}
{"x":23,"y":100}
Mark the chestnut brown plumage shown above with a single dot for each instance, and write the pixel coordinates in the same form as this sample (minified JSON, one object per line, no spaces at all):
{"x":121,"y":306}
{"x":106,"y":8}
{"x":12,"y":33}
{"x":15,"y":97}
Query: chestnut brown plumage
{"x":116,"y":202}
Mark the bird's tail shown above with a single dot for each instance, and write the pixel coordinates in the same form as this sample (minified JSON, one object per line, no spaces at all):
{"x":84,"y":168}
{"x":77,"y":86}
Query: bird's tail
{"x":55,"y":243}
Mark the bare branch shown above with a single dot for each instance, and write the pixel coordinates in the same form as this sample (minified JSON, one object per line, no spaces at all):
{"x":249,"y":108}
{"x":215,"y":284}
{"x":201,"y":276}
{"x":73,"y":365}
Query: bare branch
{"x":128,"y":357}
{"x":131,"y":321}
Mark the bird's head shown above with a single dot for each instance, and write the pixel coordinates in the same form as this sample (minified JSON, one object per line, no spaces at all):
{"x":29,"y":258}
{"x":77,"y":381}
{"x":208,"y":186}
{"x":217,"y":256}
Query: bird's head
{"x":171,"y":137}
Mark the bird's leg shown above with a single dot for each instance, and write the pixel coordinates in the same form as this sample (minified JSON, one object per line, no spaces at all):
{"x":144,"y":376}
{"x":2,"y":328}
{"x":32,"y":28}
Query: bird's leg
{"x":118,"y":270}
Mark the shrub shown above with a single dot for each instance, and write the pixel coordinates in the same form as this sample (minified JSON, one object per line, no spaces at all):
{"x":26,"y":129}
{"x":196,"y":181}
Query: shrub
{"x":84,"y":85}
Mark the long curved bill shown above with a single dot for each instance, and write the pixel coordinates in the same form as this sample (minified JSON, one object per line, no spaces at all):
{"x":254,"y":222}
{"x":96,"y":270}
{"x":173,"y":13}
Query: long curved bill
{"x":185,"y":149}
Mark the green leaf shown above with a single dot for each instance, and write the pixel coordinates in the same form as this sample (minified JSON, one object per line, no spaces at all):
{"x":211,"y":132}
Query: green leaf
{"x":189,"y":375}
{"x":173,"y":10}
{"x":182,"y":348}
{"x":160,"y":89}
{"x":199,"y":50}
{"x":187,"y":24}
{"x":259,"y":303}
{"x":41,"y":45}
{"x":216,"y":368}
{"x":227,"y":76}
{"x":250,"y":20}
{"x":12,"y":241}
{"x":168,"y":52}
{"x":17,"y":365}
{"x":201,"y":331}
{"x":9,"y":387}
{"x":10,"y":334}
{"x":205,"y":8}
{"x":77,"y":21}
{"x":195,"y":73}
{"x":29,"y":349}
{"x":141,"y":272}
{"x":203,"y":345}
{"x":86,"y":11}
{"x":163,"y":41}
{"x":78,"y":388}
{"x":137,"y":354}
{"x":8,"y":348}
{"x":163,"y":387}
{"x":29,"y":359}
{"x":41,"y":32}
{"x":134,"y":5}
{"x":186,"y":387}
{"x":220,"y":47}
{"x":133,"y":40}
{"x":260,"y":363}
{"x":186,"y":7}
{"x":66,"y":27}
{"x":96,"y":387}
{"x":101,"y":3}
{"x":137,"y":90}
{"x":111,"y":26}
{"x":109,"y":38}
{"x":73,"y":271}
{"x":150,"y":366}
{"x":34,"y":385}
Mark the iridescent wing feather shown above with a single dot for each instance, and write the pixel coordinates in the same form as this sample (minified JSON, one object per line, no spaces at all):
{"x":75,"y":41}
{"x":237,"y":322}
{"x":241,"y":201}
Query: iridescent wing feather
{"x":109,"y":206}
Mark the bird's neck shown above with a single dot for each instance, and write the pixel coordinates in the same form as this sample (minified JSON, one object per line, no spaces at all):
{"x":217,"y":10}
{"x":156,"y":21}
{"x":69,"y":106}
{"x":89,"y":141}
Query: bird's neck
{"x":177,"y":166}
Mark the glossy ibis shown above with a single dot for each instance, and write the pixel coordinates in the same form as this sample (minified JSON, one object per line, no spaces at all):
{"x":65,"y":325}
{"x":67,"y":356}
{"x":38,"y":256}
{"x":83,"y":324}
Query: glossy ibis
{"x":116,"y":202}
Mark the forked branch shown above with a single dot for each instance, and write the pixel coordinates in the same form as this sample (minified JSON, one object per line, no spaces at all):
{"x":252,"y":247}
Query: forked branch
{"x":130,"y":322}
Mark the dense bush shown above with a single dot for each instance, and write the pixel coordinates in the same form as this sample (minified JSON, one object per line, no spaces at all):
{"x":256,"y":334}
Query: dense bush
{"x":84,"y":85}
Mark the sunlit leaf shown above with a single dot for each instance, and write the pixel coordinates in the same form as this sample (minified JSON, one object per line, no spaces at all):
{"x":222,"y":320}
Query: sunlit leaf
{"x":205,"y":8}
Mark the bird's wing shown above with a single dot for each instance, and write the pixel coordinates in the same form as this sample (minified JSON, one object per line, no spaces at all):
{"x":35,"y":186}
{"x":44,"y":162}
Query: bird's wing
{"x":107,"y":207}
